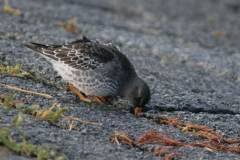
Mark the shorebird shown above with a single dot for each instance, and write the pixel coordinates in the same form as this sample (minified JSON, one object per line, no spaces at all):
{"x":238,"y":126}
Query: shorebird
{"x":96,"y":69}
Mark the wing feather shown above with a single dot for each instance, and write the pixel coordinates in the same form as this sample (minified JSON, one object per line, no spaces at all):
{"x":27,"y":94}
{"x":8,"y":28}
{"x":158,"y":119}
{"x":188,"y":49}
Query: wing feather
{"x":81,"y":54}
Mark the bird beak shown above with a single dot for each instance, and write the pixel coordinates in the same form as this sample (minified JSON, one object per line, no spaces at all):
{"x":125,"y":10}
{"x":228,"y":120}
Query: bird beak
{"x":138,"y":111}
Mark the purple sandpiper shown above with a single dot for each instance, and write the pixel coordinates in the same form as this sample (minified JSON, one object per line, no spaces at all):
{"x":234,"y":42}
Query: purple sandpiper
{"x":96,"y":69}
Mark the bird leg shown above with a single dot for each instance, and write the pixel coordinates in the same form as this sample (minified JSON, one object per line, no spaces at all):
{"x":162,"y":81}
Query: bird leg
{"x":100,"y":100}
{"x":103,"y":97}
{"x":82,"y":97}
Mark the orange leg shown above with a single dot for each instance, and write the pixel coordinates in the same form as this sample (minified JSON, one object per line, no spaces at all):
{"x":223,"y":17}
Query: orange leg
{"x":100,"y":100}
{"x":103,"y":97}
{"x":82,"y":97}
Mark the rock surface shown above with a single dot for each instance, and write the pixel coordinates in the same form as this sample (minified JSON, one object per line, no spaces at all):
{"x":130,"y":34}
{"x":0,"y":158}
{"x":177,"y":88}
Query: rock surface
{"x":187,"y":51}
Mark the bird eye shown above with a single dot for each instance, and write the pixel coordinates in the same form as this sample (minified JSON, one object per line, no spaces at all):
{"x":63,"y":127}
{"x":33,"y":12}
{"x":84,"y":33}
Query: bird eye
{"x":139,"y":98}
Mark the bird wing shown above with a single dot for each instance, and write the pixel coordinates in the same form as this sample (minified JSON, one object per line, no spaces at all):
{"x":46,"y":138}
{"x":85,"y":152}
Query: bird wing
{"x":81,"y":54}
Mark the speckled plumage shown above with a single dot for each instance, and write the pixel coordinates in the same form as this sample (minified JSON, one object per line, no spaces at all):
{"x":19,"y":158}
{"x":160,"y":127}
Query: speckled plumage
{"x":96,"y":69}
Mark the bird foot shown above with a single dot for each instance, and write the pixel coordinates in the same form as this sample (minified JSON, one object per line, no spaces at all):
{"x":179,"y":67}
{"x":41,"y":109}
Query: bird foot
{"x":100,"y":100}
{"x":82,"y":97}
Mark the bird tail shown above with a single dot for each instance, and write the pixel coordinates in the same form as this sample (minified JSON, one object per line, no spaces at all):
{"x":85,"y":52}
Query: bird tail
{"x":39,"y":48}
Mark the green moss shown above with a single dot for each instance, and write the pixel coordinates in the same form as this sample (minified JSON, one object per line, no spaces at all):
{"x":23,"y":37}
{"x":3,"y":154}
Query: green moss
{"x":23,"y":148}
{"x":13,"y":70}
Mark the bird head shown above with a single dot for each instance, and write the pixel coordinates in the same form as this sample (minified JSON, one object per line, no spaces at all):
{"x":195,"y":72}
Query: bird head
{"x":138,"y":93}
